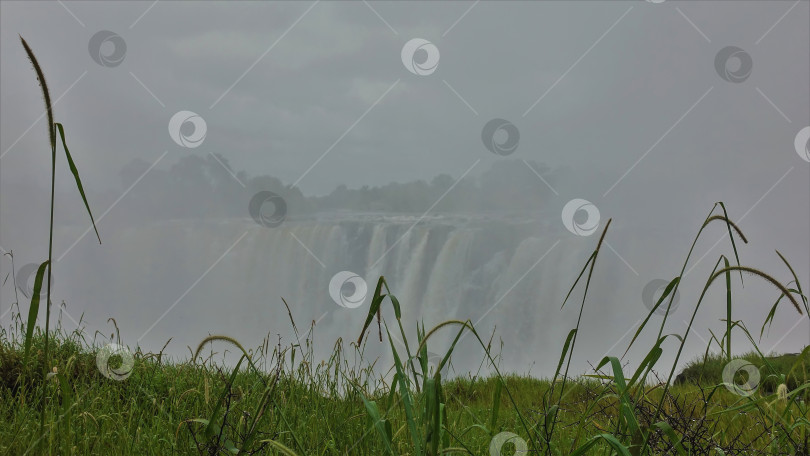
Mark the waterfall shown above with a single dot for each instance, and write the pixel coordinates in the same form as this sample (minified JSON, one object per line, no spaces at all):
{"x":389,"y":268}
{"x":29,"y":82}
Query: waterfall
{"x":409,"y":289}
{"x":444,"y":291}
{"x":487,"y":271}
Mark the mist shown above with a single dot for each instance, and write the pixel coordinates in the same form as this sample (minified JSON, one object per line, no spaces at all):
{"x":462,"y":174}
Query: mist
{"x":235,"y":154}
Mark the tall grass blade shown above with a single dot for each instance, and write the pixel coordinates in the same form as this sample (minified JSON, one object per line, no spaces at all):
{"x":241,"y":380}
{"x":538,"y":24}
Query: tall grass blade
{"x":796,"y":281}
{"x":407,"y":399}
{"x":52,"y":140}
{"x":67,"y":405}
{"x":75,"y":172}
{"x":798,"y":290}
{"x":568,"y":339}
{"x":496,"y":405}
{"x":33,"y":310}
{"x":213,"y":427}
{"x":669,"y":289}
{"x":259,"y":414}
{"x":592,"y":262}
{"x":467,"y":324}
{"x":728,"y":310}
{"x":649,"y":361}
{"x":382,"y":426}
{"x":374,"y":308}
{"x":733,"y":244}
{"x":433,"y":418}
{"x":571,"y":290}
{"x":763,"y":275}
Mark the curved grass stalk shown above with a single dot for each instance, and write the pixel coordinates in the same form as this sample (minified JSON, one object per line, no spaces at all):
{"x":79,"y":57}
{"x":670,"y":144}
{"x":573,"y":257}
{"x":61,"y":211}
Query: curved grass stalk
{"x":729,"y":223}
{"x":268,"y":388}
{"x":672,"y":288}
{"x":219,"y":337}
{"x":572,"y":335}
{"x":797,"y":290}
{"x":715,"y":274}
{"x":709,"y":219}
{"x":375,"y":310}
{"x":763,"y":275}
{"x":468,"y":325}
{"x":52,"y":126}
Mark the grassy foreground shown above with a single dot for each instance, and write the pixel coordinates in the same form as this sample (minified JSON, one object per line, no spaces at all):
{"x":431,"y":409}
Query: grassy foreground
{"x":159,"y":407}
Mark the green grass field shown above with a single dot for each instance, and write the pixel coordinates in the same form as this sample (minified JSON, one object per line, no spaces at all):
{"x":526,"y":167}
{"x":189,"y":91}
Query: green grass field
{"x":162,"y":407}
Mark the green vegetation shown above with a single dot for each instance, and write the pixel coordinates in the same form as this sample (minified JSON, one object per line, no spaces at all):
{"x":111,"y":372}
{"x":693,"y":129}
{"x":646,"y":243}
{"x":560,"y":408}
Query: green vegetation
{"x":59,"y":396}
{"x":48,"y":265}
{"x":794,"y":366}
{"x":162,"y":407}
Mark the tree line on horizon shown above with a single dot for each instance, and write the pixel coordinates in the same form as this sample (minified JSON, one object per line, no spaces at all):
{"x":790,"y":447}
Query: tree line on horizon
{"x":201,"y":187}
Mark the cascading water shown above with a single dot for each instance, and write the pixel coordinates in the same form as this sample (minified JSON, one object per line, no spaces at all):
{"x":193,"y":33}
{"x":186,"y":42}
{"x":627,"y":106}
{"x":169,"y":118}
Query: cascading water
{"x":228,"y":277}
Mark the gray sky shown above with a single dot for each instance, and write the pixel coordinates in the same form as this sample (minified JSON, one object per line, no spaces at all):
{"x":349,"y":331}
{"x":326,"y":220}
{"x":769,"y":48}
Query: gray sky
{"x":283,"y":94}
{"x":627,"y":95}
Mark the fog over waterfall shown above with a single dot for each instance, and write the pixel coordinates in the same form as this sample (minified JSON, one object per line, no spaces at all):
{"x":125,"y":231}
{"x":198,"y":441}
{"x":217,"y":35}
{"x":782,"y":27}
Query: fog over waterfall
{"x":472,"y":153}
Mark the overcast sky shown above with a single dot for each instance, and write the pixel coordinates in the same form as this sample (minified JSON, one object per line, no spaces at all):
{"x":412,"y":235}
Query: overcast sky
{"x":648,"y":106}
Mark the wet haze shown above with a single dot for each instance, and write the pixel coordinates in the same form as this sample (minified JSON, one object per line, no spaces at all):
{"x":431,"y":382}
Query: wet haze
{"x":631,"y":106}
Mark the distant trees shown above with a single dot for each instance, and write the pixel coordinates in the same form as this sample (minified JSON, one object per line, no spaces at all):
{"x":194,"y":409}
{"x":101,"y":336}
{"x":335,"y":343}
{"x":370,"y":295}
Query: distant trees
{"x":194,"y":187}
{"x":201,"y":186}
